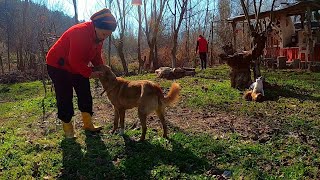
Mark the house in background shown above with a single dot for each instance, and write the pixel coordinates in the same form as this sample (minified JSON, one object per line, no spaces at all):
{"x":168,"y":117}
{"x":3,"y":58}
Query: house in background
{"x":295,"y":32}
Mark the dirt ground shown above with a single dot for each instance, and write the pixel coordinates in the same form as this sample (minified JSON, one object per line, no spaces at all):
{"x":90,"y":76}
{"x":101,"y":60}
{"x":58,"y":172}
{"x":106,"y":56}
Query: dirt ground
{"x":179,"y":118}
{"x":188,"y":120}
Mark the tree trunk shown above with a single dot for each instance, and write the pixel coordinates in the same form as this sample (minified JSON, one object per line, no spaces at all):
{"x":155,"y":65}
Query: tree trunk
{"x":1,"y":64}
{"x":75,"y":11}
{"x":155,"y":64}
{"x":174,"y":49}
{"x":187,"y":45}
{"x":139,"y":40}
{"x":149,"y":64}
{"x":121,"y":55}
{"x":21,"y":59}
{"x":151,"y":29}
{"x":256,"y":68}
{"x":23,"y":32}
{"x":8,"y":35}
{"x":240,"y":75}
{"x":176,"y":28}
{"x":240,"y":78}
{"x":211,"y":43}
{"x":122,"y":29}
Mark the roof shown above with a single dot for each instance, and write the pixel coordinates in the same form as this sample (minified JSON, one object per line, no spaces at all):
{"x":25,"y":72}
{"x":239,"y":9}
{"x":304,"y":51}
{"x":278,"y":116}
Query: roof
{"x":292,"y":9}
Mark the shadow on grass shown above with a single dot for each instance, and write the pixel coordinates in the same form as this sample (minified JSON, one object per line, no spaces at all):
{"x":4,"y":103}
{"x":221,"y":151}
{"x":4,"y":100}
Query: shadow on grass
{"x":148,"y":161}
{"x":94,"y":162}
{"x":274,"y":91}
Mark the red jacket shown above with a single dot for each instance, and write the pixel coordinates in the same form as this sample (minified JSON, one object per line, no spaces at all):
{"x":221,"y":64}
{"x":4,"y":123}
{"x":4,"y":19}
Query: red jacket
{"x":75,"y":49}
{"x":202,"y":45}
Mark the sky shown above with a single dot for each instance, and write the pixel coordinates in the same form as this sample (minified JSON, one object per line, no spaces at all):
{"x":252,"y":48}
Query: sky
{"x":85,"y":7}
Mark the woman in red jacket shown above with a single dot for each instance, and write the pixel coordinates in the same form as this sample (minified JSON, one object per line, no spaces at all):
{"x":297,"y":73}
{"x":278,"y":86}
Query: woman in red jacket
{"x":202,"y":48}
{"x":67,"y":64}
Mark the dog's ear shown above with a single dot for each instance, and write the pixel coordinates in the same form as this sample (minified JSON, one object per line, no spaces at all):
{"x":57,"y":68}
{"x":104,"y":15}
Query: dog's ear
{"x":95,"y":68}
{"x":103,"y":68}
{"x":108,"y":75}
{"x":98,"y":68}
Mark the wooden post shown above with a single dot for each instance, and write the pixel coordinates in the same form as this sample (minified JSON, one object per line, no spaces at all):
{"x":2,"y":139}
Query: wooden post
{"x":234,"y":35}
{"x":139,"y":39}
{"x":310,"y":40}
{"x":1,"y":64}
{"x":243,"y":37}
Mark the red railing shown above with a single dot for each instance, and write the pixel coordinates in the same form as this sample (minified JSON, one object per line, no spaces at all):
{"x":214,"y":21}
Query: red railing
{"x":290,"y":52}
{"x":272,"y":52}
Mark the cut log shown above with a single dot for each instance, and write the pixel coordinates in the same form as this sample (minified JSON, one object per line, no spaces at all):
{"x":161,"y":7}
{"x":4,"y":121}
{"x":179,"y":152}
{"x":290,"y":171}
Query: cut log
{"x":174,"y":73}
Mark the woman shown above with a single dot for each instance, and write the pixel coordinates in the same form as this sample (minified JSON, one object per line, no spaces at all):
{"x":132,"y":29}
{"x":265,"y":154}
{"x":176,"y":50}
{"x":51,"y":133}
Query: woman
{"x":67,"y":64}
{"x":202,"y":48}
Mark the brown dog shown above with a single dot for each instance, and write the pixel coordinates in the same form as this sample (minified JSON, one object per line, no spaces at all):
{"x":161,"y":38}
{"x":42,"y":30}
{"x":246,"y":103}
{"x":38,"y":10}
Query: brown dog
{"x":145,"y":95}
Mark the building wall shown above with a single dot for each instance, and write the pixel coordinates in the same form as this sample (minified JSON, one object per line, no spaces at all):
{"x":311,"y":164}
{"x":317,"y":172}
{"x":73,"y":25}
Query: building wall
{"x":287,"y":30}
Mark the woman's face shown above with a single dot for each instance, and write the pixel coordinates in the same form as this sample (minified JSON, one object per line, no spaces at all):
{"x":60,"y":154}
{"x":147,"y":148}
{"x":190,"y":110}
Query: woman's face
{"x":102,"y":34}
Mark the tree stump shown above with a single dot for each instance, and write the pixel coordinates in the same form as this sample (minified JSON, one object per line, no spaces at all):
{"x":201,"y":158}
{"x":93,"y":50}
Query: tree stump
{"x":281,"y":62}
{"x":174,"y":73}
{"x":240,"y":63}
{"x":240,"y":75}
{"x":240,"y":78}
{"x":296,"y":63}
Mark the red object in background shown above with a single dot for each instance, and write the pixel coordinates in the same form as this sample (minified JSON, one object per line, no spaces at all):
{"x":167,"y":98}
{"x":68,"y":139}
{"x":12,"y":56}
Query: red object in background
{"x":303,"y":57}
{"x":272,"y":52}
{"x":317,"y":52}
{"x":290,"y":53}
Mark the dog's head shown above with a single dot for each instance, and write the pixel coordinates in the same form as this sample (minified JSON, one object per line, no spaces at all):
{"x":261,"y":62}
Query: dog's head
{"x":108,"y":76}
{"x":260,"y":80}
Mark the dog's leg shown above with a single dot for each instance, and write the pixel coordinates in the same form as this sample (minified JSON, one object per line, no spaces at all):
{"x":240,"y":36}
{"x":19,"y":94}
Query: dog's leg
{"x":115,"y":121}
{"x":160,"y":114}
{"x":143,"y":119}
{"x":122,"y":113}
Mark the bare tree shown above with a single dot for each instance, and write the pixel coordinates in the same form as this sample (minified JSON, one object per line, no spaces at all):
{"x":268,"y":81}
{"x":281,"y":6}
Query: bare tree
{"x":119,"y":43}
{"x":180,"y":8}
{"x":1,"y":60}
{"x":75,"y":11}
{"x":21,"y":45}
{"x":8,"y":29}
{"x":110,"y":38}
{"x":223,"y":29}
{"x":240,"y":63}
{"x":139,"y":39}
{"x":152,"y":24}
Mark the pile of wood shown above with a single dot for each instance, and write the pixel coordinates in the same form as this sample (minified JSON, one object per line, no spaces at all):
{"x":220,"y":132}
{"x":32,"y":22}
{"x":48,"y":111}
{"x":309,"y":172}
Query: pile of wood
{"x":174,"y":73}
{"x":18,"y":77}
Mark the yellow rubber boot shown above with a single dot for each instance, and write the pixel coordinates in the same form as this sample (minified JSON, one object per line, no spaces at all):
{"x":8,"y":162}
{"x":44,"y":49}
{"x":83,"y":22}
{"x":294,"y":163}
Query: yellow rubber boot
{"x":87,"y":123}
{"x":68,"y":130}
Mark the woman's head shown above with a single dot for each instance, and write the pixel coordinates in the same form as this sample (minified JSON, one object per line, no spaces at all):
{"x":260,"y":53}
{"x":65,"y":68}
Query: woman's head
{"x":104,"y":23}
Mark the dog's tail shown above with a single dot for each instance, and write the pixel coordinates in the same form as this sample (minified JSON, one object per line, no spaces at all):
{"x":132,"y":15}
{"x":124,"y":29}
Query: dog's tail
{"x":173,"y":95}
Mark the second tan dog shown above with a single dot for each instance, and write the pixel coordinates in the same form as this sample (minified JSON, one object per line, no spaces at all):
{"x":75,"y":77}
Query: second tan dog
{"x":143,"y":94}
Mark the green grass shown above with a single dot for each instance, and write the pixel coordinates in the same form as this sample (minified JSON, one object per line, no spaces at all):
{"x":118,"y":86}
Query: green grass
{"x":28,"y":150}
